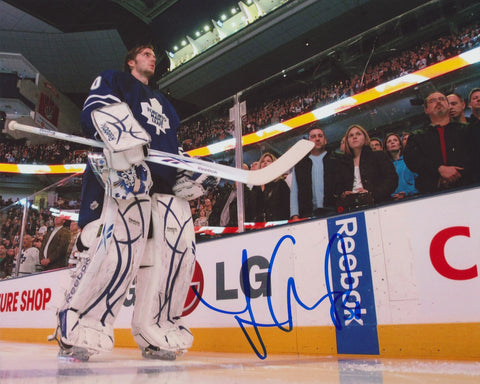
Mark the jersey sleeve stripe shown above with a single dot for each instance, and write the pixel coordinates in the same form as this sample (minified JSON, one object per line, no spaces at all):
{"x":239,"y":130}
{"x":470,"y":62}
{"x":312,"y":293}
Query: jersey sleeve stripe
{"x":93,"y":99}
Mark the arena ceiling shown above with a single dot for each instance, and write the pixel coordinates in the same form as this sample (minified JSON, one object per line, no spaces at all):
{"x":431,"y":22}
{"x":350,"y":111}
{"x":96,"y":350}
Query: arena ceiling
{"x":70,"y":42}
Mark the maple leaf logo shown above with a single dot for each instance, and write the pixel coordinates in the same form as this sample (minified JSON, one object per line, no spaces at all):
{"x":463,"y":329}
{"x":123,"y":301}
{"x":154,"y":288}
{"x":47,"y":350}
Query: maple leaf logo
{"x":153,"y":111}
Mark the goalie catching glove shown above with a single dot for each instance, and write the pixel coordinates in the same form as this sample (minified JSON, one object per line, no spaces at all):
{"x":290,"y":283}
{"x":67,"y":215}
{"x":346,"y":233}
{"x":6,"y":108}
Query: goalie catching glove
{"x":191,"y":185}
{"x":126,"y":140}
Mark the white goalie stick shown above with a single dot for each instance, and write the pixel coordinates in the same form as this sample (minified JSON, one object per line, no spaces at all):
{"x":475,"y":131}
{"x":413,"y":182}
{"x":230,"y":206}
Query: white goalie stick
{"x":256,"y":177}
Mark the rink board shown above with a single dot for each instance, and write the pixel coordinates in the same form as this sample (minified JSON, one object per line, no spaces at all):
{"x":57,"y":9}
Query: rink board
{"x":397,"y":281}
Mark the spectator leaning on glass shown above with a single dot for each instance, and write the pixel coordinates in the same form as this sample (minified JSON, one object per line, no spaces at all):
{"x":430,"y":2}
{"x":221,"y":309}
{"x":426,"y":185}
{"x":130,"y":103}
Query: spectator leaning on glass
{"x":406,"y":178}
{"x":441,"y":153}
{"x":310,"y":193}
{"x":362,"y":177}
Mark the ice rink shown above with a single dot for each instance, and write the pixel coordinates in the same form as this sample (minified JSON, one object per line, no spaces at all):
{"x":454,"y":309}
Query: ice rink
{"x":37,"y":363}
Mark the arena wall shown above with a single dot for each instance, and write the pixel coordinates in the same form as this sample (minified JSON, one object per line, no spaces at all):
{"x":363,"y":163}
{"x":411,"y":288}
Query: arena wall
{"x":397,"y":281}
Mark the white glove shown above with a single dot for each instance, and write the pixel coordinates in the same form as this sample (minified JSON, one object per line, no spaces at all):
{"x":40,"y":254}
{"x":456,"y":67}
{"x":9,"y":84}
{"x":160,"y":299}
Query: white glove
{"x":190,"y":186}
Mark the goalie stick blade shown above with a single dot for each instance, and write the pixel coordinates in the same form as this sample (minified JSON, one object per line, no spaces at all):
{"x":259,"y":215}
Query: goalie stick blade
{"x":282,"y":165}
{"x":258,"y":177}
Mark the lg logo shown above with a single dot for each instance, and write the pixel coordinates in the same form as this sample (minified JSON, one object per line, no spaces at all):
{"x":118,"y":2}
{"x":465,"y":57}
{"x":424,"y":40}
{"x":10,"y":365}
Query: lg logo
{"x":439,"y":261}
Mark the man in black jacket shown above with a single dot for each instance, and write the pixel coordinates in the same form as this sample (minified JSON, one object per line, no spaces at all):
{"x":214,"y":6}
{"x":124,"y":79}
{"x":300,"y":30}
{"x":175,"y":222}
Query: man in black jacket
{"x":441,"y":153}
{"x":311,"y":189}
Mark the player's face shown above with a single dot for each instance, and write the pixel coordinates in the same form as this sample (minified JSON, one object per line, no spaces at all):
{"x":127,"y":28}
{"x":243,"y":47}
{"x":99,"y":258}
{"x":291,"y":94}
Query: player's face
{"x":144,"y":63}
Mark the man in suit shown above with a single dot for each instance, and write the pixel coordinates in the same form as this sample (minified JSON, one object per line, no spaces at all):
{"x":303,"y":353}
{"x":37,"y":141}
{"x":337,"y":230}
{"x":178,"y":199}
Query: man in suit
{"x":53,"y":252}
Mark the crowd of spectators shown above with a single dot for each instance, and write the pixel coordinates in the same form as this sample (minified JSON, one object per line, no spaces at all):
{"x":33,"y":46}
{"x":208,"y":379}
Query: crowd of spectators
{"x":441,"y":155}
{"x":58,"y":152}
{"x":40,"y":221}
{"x":205,"y":131}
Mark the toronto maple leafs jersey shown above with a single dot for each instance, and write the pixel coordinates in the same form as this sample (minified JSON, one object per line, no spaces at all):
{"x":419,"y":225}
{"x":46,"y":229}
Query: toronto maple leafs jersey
{"x":154,"y":113}
{"x":29,"y":260}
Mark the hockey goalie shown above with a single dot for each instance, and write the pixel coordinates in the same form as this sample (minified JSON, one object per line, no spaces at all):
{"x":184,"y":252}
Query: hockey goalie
{"x":133,"y":225}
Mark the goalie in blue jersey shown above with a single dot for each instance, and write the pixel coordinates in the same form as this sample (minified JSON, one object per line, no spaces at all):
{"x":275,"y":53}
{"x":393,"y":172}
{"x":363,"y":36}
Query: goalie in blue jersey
{"x":133,"y":225}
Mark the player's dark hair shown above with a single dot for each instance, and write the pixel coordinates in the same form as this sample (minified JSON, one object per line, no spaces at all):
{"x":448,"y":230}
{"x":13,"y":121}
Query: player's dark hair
{"x":132,"y":53}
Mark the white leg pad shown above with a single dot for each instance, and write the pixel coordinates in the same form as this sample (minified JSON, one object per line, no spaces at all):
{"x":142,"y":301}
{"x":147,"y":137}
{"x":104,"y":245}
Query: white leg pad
{"x":98,"y":289}
{"x":165,"y":276}
{"x":85,"y":333}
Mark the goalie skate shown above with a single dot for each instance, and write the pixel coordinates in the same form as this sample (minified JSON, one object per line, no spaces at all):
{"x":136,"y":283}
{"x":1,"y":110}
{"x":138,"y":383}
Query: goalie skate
{"x":67,"y":352}
{"x":81,"y":338}
{"x":74,"y":355}
{"x":154,"y":353}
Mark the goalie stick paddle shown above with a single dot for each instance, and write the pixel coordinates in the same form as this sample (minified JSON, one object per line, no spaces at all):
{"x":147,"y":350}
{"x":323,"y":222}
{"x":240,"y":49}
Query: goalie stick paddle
{"x":256,"y":177}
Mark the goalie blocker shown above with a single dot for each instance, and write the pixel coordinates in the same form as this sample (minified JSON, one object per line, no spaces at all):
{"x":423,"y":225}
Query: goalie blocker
{"x":125,"y":139}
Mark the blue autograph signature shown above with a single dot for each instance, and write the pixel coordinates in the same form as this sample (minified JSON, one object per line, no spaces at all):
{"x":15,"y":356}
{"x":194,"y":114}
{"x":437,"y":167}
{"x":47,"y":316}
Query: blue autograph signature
{"x":287,"y":326}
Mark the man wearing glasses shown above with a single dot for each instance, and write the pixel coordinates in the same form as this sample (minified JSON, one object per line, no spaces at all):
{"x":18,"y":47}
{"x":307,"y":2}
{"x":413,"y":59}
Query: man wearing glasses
{"x":440,"y":153}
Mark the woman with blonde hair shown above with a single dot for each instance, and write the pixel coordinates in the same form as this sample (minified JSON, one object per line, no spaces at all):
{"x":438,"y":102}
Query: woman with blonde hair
{"x":270,"y":202}
{"x":364,"y":177}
